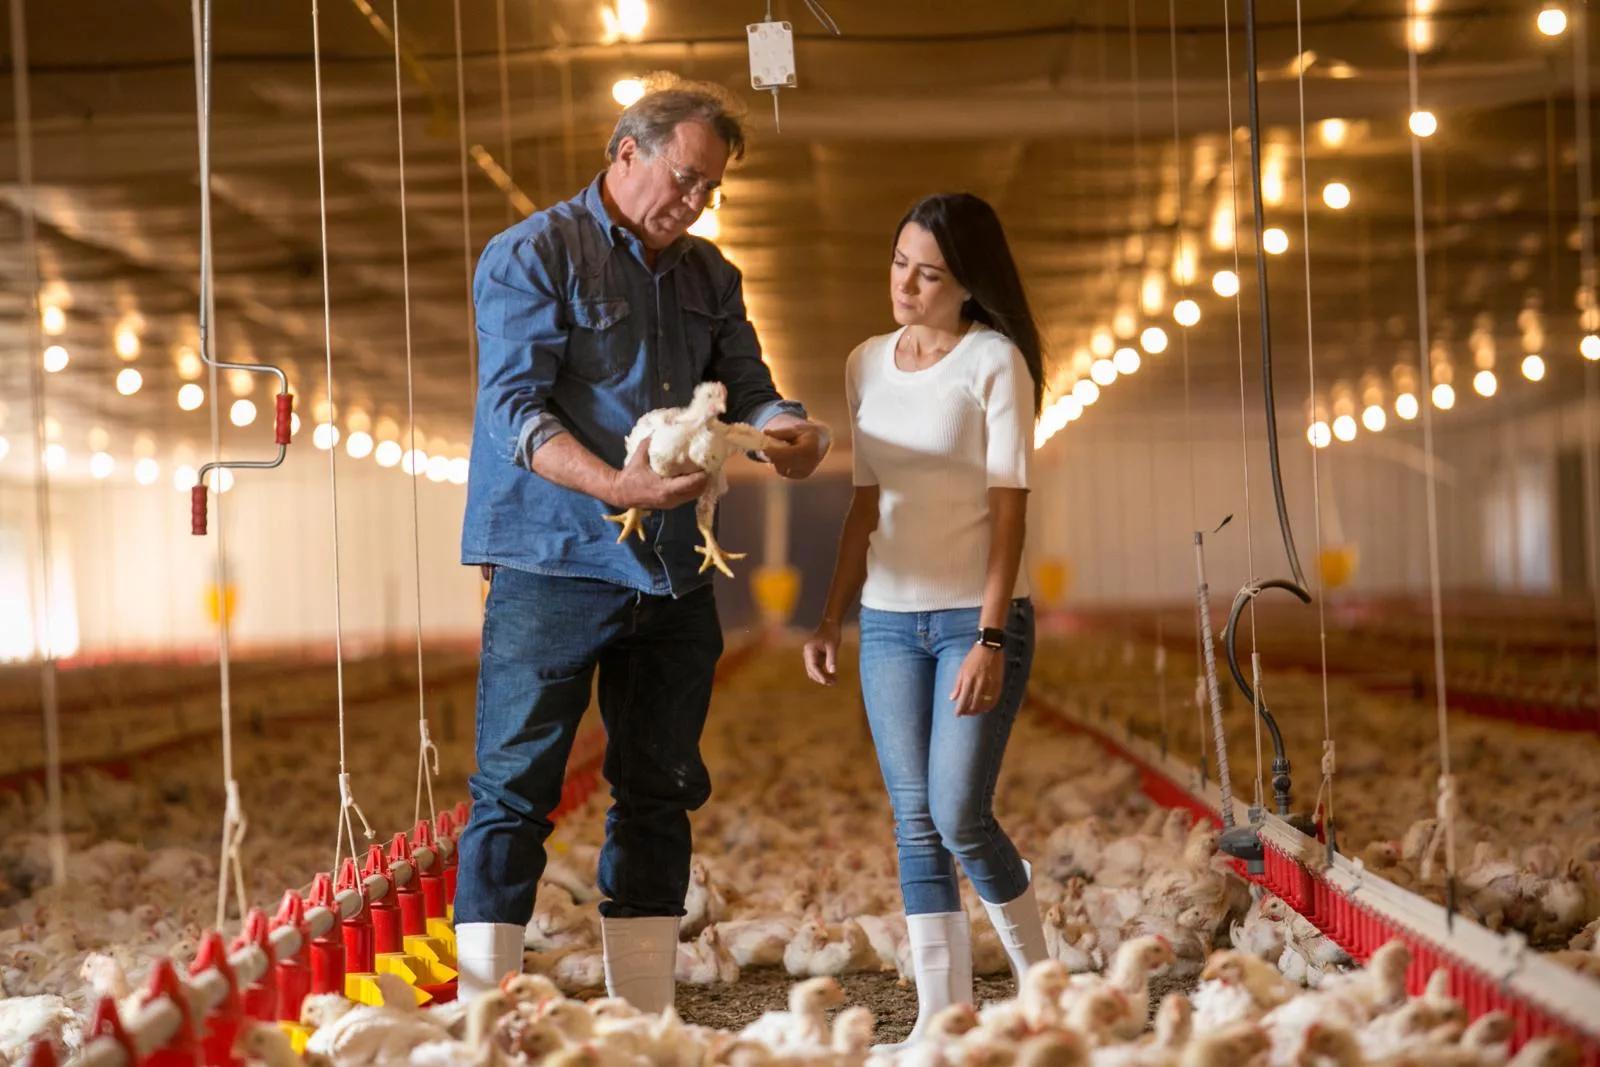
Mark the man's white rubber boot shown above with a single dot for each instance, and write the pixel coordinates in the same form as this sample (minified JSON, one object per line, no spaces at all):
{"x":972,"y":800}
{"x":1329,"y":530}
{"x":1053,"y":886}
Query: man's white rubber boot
{"x":486,"y":953}
{"x":640,"y":957}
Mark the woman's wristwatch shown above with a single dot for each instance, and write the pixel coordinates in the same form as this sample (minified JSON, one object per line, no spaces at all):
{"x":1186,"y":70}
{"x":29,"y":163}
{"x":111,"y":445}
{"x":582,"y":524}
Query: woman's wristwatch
{"x":991,"y":637}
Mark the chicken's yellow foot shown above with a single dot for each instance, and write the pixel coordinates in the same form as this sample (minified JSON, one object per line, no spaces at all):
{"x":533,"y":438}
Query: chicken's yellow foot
{"x":631,"y":521}
{"x":714,"y":556}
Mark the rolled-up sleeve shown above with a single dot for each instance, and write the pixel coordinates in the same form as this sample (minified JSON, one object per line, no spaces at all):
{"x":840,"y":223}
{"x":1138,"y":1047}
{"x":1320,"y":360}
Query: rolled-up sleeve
{"x":736,"y":362}
{"x":522,"y":341}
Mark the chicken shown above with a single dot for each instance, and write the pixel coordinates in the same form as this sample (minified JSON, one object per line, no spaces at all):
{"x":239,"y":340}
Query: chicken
{"x":689,"y":439}
{"x":705,"y":903}
{"x":805,"y":1023}
{"x":706,"y":960}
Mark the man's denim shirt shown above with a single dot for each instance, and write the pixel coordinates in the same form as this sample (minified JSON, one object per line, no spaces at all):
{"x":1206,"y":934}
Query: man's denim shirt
{"x":577,"y":335}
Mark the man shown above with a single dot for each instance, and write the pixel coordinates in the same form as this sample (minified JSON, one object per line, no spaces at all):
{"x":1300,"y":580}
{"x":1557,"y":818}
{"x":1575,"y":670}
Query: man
{"x":591,"y":313}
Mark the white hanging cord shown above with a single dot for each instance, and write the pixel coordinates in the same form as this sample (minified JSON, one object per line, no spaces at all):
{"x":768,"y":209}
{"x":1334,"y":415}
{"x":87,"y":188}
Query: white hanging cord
{"x":1588,"y":282}
{"x":505,"y":99}
{"x":1244,"y":422}
{"x":229,"y":862}
{"x":23,"y":110}
{"x":424,"y":778}
{"x":1316,"y":483}
{"x":1183,"y":337}
{"x":466,"y":199}
{"x":1447,"y":804}
{"x":346,"y":801}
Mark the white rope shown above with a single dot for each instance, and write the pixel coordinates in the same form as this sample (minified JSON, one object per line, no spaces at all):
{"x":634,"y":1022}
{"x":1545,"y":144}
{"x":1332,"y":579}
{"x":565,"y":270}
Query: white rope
{"x":466,"y":199}
{"x":423,"y":778}
{"x":1238,"y":314}
{"x":1311,"y":370}
{"x":50,"y":704}
{"x":346,"y":802}
{"x":1420,"y":240}
{"x":1183,"y":337}
{"x":1587,"y":279}
{"x":1256,"y":702}
{"x":233,"y":820}
{"x":505,"y":99}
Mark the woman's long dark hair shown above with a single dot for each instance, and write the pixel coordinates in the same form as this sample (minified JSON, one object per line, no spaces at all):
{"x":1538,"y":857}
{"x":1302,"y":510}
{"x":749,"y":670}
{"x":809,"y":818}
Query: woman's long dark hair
{"x":975,"y":249}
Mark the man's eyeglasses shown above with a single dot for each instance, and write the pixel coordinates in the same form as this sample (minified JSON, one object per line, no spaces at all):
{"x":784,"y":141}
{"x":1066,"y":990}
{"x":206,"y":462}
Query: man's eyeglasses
{"x":691,"y":184}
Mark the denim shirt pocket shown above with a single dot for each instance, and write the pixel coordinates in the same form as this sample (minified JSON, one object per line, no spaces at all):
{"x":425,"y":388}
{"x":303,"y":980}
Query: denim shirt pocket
{"x":700,"y":326}
{"x":600,"y":346}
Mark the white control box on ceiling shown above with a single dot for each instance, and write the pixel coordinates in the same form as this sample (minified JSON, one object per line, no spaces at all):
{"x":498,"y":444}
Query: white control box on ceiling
{"x":771,"y":55}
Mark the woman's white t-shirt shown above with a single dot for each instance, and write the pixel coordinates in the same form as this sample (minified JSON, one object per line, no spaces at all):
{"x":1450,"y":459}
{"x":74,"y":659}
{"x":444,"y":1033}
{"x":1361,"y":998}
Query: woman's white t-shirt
{"x":934,"y":442}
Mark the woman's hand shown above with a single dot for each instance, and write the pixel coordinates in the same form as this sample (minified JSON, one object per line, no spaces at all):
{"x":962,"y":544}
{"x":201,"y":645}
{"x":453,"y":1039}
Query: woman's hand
{"x":978,"y":685}
{"x":822,"y":653}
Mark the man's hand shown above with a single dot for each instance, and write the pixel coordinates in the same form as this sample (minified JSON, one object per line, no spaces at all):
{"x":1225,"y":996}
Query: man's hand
{"x":803,"y":447}
{"x":637,"y":485}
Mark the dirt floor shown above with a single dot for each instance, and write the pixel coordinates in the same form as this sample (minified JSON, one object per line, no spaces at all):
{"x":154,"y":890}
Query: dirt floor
{"x":893,"y":1004}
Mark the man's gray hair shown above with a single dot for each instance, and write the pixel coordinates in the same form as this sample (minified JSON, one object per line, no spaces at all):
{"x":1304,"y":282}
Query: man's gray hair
{"x":669,"y":102}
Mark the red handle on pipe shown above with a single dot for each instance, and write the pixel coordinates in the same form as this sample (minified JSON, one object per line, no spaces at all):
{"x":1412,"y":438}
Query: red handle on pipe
{"x":197,"y":509}
{"x":283,"y":427}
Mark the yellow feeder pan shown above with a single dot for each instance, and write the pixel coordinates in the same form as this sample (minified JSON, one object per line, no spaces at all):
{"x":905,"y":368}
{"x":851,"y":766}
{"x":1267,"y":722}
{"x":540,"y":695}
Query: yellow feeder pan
{"x":442,"y":934}
{"x":435,"y":962}
{"x":776,"y":591}
{"x":1337,"y":566}
{"x":298,"y":1035}
{"x":364,"y":988}
{"x":229,"y":601}
{"x":1052,"y":579}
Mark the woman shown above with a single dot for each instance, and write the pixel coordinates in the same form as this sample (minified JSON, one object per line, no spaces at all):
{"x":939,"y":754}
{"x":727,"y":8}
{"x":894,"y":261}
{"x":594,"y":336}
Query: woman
{"x":942,"y":413}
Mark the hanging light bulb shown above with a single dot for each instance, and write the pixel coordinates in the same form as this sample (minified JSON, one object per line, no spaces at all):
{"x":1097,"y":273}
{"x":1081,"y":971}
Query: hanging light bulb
{"x":627,"y":91}
{"x":438,"y":468}
{"x":1071,"y":407}
{"x":101,"y":464}
{"x":1225,"y":283}
{"x":1101,"y":343}
{"x":188,"y":364}
{"x":414,"y":462}
{"x":53,"y":319}
{"x":1344,"y":428}
{"x":1374,"y":418}
{"x":1332,"y":132}
{"x":325,"y":436}
{"x":1589,"y":347}
{"x":1222,"y":225}
{"x":184,"y":478}
{"x":146,"y":471}
{"x":1319,"y":435}
{"x":242,"y":413}
{"x":1444,"y":396}
{"x":1153,"y":340}
{"x":1126,"y":361}
{"x":459,"y":468}
{"x":191,"y":396}
{"x":55,"y":359}
{"x":1086,"y":392}
{"x":1124,"y":323}
{"x":1152,"y":293}
{"x":241,"y":382}
{"x":1406,"y":406}
{"x":294,"y":423}
{"x":1423,"y":123}
{"x":387,"y":453}
{"x":1552,"y":20}
{"x":1533,"y":367}
{"x":631,"y":18}
{"x":707,"y":226}
{"x":129,"y":381}
{"x":1336,"y":195}
{"x":1275,"y":241}
{"x":1103,"y":373}
{"x":55,"y":457}
{"x":1184,"y":264}
{"x":220,"y":479}
{"x":1186,"y":312}
{"x":1484,"y":383}
{"x":359,"y":444}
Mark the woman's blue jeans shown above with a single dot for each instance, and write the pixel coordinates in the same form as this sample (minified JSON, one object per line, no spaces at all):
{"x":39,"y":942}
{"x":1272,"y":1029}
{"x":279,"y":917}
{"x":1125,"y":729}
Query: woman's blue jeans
{"x":941,"y":769}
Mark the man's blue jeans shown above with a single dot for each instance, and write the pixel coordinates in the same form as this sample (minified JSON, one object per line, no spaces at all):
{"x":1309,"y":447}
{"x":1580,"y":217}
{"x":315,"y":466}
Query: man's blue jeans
{"x":941,"y":770}
{"x":543,"y":639}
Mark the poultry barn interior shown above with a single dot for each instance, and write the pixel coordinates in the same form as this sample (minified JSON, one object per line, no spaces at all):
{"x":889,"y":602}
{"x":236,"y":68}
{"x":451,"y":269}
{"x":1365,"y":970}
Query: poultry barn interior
{"x":1308,"y":765}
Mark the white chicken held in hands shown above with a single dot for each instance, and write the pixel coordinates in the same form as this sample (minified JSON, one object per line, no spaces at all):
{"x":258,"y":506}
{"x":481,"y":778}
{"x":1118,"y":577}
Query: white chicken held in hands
{"x":689,"y":439}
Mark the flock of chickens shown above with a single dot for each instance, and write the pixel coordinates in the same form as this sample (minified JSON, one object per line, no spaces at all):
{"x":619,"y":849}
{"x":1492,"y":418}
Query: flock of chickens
{"x":1528,"y":834}
{"x":794,"y":869}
